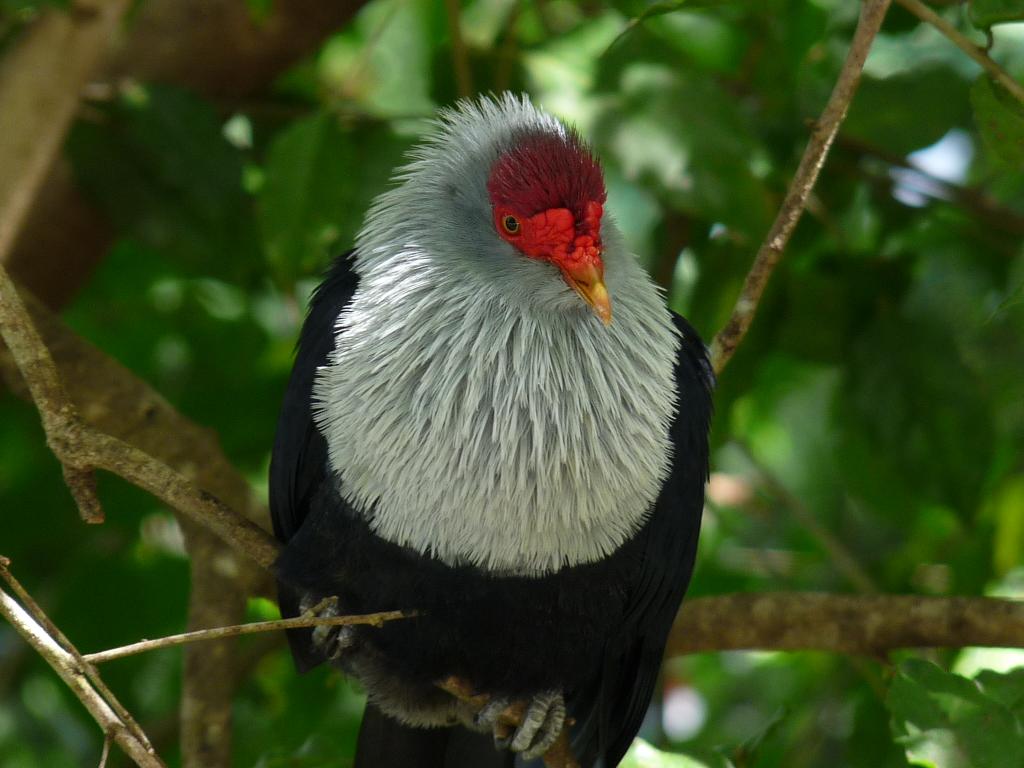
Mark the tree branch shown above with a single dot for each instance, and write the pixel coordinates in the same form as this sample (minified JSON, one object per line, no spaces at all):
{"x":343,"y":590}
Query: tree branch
{"x":217,"y":633}
{"x":861,"y":624}
{"x":999,"y":74}
{"x":219,"y":48}
{"x":208,"y":671}
{"x":80,"y":676}
{"x":82,"y":449}
{"x":40,"y":84}
{"x":725,"y":342}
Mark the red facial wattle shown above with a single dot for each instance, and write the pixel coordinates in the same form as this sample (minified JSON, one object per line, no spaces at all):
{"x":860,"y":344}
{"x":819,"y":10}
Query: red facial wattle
{"x":554,"y":234}
{"x":574,"y":247}
{"x":547,"y":197}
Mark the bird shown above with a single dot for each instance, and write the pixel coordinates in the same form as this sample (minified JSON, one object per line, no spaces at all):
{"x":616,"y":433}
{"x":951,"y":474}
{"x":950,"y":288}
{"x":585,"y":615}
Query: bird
{"x":494,"y":423}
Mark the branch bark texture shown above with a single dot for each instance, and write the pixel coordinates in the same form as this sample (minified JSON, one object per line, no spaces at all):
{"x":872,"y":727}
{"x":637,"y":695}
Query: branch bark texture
{"x":40,"y":83}
{"x":82,"y":449}
{"x":218,"y":48}
{"x":858,"y":624}
{"x":824,"y":133}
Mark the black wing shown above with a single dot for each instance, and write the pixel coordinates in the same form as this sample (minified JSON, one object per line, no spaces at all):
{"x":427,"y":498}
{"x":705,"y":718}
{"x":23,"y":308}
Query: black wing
{"x":667,"y":548}
{"x":299,"y":461}
{"x":298,"y":464}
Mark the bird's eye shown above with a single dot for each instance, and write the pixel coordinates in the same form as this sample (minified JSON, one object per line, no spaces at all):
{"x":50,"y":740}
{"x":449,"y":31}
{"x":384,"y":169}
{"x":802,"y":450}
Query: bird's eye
{"x":510,"y":225}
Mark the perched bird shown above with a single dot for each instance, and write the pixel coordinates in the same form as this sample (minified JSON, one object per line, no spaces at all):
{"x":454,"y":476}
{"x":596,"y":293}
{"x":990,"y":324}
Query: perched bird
{"x":494,"y":421}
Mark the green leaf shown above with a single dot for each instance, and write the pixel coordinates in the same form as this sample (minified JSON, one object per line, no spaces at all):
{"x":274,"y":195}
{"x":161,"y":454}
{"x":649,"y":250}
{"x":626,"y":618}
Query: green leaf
{"x":1006,"y":508}
{"x":1007,"y":687}
{"x":947,"y":721}
{"x":687,"y":139}
{"x":643,"y":755}
{"x":985,"y":13}
{"x":640,"y":11}
{"x":908,"y":110}
{"x":319,"y":181}
{"x":162,"y":169}
{"x":746,"y":753}
{"x":1000,"y":119}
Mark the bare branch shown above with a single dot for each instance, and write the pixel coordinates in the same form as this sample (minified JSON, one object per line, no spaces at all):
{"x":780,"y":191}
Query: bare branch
{"x":371,"y":619}
{"x":81,"y":449}
{"x":106,"y":751}
{"x":976,"y":52}
{"x":725,"y":342}
{"x":40,"y":84}
{"x":862,"y":624}
{"x":79,"y":676}
{"x":220,"y":48}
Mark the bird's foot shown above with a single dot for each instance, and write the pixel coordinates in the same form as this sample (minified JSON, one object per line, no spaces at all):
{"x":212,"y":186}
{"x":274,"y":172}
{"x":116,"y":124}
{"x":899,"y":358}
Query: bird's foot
{"x":540,"y":721}
{"x":332,"y":640}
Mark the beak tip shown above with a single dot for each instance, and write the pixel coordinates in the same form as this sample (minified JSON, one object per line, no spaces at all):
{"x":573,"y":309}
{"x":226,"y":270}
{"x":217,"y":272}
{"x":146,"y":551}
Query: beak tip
{"x":588,"y":282}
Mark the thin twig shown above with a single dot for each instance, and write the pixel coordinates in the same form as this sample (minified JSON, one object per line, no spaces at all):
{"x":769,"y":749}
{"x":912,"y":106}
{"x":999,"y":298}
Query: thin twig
{"x":972,"y":198}
{"x":217,"y":633}
{"x":460,"y":54}
{"x":842,"y":558}
{"x":105,"y":754}
{"x":822,"y":136}
{"x":976,"y":52}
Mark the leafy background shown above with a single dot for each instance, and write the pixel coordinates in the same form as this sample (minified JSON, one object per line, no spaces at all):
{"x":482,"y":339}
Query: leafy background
{"x":879,"y":392}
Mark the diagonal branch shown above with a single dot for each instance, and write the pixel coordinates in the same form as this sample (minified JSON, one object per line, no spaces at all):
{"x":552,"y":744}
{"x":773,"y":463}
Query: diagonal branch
{"x":999,"y":74}
{"x":825,"y":129}
{"x":81,"y":677}
{"x":82,"y":449}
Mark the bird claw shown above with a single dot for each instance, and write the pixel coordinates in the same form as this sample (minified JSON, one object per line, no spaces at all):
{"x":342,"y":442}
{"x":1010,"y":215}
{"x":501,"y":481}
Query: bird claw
{"x":542,"y":721}
{"x":332,"y":640}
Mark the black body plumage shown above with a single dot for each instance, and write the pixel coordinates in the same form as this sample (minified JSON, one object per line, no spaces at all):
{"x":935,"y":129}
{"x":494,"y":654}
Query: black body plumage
{"x":596,"y":631}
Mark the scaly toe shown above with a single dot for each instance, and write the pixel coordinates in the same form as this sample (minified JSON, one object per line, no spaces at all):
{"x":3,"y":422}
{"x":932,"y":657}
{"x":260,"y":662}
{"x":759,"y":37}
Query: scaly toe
{"x":487,"y":719}
{"x":549,"y":730}
{"x":541,"y":725}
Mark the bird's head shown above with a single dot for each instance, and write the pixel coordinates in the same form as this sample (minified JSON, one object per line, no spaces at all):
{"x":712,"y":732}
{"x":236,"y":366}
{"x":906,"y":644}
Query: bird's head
{"x":547,"y":198}
{"x":499,"y":197}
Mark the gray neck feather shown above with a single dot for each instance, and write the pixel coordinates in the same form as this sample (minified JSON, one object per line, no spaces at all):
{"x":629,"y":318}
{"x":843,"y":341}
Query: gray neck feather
{"x":474,"y":407}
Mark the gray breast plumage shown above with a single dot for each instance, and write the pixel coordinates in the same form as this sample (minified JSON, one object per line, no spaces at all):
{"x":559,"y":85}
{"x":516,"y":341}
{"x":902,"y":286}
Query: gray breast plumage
{"x":479,"y":433}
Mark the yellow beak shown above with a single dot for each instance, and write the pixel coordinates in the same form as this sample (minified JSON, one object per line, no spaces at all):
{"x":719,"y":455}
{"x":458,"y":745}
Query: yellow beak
{"x":588,"y":281}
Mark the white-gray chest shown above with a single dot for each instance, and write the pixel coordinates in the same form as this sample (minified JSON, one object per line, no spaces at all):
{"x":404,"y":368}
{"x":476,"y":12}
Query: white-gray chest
{"x":480,"y":434}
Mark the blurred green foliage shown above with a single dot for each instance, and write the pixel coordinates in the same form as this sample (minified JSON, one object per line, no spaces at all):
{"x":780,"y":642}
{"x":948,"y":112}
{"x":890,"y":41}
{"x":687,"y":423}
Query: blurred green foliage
{"x":880,"y":387}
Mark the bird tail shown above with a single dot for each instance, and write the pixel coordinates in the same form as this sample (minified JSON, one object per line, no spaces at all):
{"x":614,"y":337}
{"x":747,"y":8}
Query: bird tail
{"x":386,"y":743}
